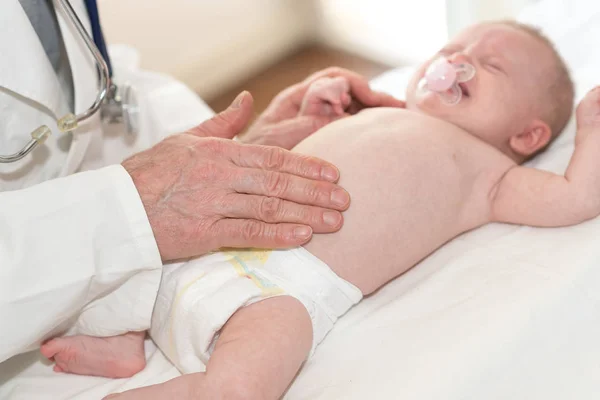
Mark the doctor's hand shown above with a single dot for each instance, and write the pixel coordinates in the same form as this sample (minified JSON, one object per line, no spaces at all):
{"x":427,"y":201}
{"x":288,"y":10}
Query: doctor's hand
{"x":202,"y":191}
{"x":284,"y":125}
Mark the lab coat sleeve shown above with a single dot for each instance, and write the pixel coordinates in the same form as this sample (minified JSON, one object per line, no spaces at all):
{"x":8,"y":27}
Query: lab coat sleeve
{"x":65,"y":243}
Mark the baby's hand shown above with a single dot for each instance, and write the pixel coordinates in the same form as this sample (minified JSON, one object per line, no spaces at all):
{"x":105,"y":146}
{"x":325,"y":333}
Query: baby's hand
{"x":588,"y":114}
{"x":327,"y":97}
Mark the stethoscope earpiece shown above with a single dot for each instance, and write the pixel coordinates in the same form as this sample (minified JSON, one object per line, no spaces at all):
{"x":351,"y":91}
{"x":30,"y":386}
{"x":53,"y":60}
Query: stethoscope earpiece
{"x":115,"y":104}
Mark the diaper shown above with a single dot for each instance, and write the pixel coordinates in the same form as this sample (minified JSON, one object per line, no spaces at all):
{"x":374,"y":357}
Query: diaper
{"x":196,"y":298}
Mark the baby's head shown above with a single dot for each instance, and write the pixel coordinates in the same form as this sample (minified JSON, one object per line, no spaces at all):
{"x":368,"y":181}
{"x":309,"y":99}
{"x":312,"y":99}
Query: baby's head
{"x":521,"y":96}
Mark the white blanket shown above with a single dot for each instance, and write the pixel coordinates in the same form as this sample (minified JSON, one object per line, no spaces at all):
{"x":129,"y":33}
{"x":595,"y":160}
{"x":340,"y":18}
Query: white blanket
{"x":503,"y":312}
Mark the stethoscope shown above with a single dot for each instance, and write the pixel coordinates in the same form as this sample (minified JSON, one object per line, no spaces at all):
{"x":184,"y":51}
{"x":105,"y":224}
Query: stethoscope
{"x":116,"y":105}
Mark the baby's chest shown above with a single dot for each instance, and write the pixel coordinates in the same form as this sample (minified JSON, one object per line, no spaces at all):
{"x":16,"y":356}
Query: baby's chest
{"x":451,"y":177}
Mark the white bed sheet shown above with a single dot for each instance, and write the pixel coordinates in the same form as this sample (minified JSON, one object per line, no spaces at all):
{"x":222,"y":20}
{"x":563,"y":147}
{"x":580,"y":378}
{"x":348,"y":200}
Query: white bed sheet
{"x":502,"y":312}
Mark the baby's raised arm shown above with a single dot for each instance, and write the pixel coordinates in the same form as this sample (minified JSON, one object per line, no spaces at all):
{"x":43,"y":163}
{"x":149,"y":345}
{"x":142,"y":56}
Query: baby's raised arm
{"x":528,"y":196}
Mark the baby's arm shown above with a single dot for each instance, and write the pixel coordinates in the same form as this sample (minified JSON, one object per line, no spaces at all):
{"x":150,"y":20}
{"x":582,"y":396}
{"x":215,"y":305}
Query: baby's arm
{"x":532,"y":197}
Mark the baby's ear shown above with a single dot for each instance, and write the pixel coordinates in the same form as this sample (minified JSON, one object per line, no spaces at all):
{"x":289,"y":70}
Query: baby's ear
{"x":533,"y":138}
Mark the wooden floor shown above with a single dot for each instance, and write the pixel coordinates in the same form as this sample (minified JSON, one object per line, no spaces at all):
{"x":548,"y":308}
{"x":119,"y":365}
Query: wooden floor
{"x":293,"y":69}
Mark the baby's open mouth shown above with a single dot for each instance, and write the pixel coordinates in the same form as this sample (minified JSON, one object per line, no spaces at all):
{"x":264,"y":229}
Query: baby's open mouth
{"x":465,"y":89}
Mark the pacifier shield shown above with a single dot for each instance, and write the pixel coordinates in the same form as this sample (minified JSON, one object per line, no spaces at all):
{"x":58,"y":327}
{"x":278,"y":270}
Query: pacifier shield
{"x":443,"y":78}
{"x":440,"y":75}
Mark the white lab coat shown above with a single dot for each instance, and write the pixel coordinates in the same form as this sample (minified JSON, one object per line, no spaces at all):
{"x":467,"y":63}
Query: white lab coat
{"x":75,"y":240}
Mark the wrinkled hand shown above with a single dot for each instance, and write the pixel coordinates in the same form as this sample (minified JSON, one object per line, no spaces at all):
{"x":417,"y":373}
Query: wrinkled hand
{"x":202,"y":193}
{"x":282,"y":124}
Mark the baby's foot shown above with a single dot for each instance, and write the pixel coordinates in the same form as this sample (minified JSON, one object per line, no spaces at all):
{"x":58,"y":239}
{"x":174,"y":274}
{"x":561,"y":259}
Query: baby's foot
{"x":112,"y":357}
{"x":326,"y":97}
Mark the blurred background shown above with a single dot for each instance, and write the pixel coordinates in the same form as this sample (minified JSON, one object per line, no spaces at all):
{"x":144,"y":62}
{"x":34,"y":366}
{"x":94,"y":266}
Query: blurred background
{"x":221,"y":47}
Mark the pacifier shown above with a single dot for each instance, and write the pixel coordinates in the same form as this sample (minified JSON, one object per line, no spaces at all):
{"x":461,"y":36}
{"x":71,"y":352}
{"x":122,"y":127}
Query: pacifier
{"x":443,"y":78}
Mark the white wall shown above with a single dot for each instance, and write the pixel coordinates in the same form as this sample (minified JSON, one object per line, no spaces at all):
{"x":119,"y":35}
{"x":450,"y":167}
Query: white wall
{"x":462,"y":13}
{"x":395,"y":32}
{"x":212,"y":45}
{"x":400,"y":32}
{"x":208,"y":44}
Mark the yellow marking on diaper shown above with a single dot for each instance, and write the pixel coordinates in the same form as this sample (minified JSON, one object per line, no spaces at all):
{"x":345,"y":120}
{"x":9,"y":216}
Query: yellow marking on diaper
{"x":175,"y":304}
{"x":239,"y":260}
{"x":265,"y":290}
{"x":251,"y":255}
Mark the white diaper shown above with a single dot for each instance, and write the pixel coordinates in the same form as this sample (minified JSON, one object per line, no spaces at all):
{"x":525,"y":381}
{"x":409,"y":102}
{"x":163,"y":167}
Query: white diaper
{"x":197,"y":298}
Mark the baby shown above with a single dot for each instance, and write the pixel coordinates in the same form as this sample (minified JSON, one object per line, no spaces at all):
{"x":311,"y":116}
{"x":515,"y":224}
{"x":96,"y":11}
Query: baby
{"x":418,"y":177}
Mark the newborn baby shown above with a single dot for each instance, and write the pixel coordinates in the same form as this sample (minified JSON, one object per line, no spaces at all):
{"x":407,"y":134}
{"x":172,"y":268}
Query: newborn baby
{"x":418,"y":177}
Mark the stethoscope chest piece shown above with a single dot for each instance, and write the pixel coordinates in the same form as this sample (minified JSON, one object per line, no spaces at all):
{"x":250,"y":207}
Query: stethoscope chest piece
{"x":121,"y":106}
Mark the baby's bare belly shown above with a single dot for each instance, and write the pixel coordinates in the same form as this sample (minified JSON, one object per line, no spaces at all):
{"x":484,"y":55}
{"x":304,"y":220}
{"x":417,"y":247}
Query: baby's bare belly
{"x":415,"y":183}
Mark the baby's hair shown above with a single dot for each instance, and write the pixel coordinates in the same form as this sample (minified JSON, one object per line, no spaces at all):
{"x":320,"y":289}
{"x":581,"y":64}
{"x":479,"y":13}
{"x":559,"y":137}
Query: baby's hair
{"x":559,"y":94}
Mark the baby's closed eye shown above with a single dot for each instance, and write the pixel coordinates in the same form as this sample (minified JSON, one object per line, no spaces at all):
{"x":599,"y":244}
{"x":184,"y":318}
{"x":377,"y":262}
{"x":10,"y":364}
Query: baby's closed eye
{"x":493,"y":65}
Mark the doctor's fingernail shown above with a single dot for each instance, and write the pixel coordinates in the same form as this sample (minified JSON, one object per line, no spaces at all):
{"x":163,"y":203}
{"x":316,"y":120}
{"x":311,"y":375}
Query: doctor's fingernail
{"x":340,"y":197}
{"x":302,"y":232}
{"x":329,"y":173}
{"x":332,"y":218}
{"x":237,"y":103}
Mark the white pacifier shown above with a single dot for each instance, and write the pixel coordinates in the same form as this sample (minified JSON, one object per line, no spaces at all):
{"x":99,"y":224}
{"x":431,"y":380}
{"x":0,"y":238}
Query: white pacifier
{"x":443,"y":78}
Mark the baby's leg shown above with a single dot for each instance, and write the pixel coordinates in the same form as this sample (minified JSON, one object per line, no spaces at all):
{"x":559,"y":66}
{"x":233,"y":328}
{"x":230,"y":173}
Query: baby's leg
{"x":112,"y":357}
{"x":258,"y":353}
{"x":261,"y":348}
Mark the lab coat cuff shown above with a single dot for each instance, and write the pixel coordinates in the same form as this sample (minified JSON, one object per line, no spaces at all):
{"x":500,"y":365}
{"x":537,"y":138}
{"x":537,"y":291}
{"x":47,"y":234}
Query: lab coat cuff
{"x":141,"y":317}
{"x":138,"y":222}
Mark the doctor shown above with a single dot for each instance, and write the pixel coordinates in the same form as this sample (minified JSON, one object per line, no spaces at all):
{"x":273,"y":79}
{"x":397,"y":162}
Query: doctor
{"x":69,"y":241}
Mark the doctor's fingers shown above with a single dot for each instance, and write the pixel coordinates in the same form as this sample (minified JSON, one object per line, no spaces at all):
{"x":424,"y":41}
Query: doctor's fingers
{"x":383,"y":100}
{"x":246,"y":233}
{"x":275,"y":210}
{"x":288,"y":133}
{"x":281,"y":160}
{"x":386,"y":100}
{"x":227,"y":123}
{"x":291,"y":188}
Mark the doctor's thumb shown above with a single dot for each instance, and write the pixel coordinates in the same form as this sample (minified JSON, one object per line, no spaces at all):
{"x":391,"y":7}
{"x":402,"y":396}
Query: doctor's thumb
{"x":228,"y":123}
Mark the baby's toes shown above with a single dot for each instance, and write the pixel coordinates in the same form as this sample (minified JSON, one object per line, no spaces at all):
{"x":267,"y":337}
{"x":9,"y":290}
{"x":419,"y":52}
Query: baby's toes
{"x":588,"y":110}
{"x":51,"y":348}
{"x":58,"y":368}
{"x":64,"y":360}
